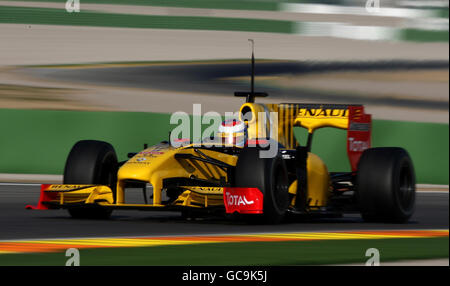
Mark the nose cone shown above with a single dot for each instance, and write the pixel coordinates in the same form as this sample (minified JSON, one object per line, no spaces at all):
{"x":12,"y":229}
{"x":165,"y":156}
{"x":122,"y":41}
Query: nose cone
{"x":135,"y":171}
{"x":143,"y":164}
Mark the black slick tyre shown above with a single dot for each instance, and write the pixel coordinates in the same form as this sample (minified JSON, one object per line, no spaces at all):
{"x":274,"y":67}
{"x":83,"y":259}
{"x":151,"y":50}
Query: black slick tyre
{"x":91,"y":162}
{"x":269,"y":175}
{"x":385,"y":185}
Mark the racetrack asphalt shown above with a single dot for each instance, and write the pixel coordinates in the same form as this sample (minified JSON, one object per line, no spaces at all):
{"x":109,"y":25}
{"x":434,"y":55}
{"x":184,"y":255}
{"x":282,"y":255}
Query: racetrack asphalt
{"x":18,"y":223}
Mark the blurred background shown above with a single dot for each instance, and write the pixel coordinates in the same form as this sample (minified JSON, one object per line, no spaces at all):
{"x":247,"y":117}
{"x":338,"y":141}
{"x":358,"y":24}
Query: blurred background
{"x":117,"y":69}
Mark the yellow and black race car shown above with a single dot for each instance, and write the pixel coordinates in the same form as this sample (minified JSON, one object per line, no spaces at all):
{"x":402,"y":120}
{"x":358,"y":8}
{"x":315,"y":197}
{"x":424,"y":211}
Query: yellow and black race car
{"x":236,"y":176}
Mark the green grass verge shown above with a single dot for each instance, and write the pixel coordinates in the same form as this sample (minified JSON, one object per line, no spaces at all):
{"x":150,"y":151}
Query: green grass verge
{"x":38,"y":141}
{"x":415,"y":35}
{"x":61,"y":17}
{"x":254,"y":253}
{"x":209,"y":4}
{"x":443,"y":13}
{"x":427,"y":144}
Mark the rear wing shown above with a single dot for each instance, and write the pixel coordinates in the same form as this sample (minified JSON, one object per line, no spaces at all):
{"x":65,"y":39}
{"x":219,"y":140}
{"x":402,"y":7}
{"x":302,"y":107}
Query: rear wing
{"x":359,"y":134}
{"x":312,"y":117}
{"x":350,"y":117}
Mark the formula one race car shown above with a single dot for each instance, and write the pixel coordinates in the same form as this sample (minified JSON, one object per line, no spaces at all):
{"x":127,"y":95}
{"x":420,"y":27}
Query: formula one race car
{"x":231,"y":174}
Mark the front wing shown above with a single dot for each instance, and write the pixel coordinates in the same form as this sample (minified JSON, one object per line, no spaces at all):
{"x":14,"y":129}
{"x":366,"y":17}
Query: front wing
{"x":232,"y":200}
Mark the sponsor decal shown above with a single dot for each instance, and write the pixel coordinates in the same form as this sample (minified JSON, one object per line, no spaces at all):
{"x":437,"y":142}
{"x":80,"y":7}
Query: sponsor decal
{"x":205,"y":189}
{"x":358,"y":134}
{"x":357,"y":145}
{"x":320,"y":112}
{"x":150,"y":153}
{"x":243,"y":200}
{"x":237,"y":200}
{"x":354,"y":126}
{"x":156,"y":150}
{"x":141,"y":159}
{"x":65,"y":187}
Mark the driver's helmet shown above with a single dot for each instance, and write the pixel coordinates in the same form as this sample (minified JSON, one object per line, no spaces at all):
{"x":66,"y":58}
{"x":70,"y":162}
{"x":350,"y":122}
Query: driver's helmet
{"x":232,"y":132}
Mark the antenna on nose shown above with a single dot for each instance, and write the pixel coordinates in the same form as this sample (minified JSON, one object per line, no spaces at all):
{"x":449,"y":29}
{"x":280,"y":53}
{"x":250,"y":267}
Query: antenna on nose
{"x":250,"y":96}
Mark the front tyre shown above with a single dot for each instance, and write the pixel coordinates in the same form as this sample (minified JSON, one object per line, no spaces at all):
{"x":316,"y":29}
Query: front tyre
{"x":91,"y":162}
{"x":269,"y":175}
{"x":386,"y":185}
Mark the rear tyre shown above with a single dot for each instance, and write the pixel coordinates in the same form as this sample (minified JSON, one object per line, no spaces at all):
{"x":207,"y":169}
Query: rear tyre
{"x":91,"y":162}
{"x":269,"y":175}
{"x":386,"y":185}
